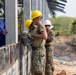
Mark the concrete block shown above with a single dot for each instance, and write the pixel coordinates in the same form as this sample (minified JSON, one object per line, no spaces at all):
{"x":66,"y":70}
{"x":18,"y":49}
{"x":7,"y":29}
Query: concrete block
{"x":14,"y":69}
{"x":14,"y":55}
{"x":23,"y":69}
{"x":17,"y":51}
{"x":9,"y":71}
{"x":6,"y":56}
{"x":4,"y":73}
{"x":23,"y":60}
{"x":17,"y":67}
{"x":2,"y":60}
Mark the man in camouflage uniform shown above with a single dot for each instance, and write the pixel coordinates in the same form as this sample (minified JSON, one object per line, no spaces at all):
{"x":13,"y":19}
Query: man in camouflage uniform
{"x":49,"y":59}
{"x":38,"y":52}
{"x":39,"y":35}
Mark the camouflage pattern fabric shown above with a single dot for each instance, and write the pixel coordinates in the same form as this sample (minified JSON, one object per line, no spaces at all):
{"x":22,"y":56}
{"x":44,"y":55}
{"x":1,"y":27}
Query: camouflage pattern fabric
{"x":38,"y":29}
{"x":49,"y":51}
{"x":38,"y":52}
{"x":49,"y":61}
{"x":38,"y":61}
{"x":51,"y":36}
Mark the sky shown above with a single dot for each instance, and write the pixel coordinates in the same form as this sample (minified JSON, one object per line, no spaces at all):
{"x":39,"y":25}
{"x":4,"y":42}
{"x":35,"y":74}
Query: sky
{"x":70,"y":9}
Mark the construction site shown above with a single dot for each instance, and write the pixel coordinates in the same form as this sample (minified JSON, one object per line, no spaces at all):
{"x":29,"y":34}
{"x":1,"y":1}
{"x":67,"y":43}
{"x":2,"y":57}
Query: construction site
{"x":15,"y":58}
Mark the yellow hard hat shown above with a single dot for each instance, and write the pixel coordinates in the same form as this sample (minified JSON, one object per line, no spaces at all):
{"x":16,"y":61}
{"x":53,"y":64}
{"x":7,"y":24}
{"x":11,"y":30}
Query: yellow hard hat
{"x":27,"y":23}
{"x":35,"y":14}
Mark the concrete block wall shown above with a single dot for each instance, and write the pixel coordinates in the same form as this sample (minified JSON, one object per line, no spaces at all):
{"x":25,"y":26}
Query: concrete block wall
{"x":14,"y":61}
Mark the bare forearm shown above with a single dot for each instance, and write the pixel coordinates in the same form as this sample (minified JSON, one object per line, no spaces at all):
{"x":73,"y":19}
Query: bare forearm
{"x":40,"y":36}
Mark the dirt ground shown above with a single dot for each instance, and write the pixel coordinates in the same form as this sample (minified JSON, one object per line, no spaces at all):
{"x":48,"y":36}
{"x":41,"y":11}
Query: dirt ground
{"x":64,"y":56}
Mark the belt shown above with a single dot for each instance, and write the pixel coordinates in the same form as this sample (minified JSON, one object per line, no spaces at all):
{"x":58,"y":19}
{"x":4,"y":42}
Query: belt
{"x":35,"y":48}
{"x":47,"y":45}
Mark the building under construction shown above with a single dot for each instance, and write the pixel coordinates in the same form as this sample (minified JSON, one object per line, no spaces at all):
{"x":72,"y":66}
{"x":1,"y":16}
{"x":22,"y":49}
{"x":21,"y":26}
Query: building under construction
{"x":15,"y":58}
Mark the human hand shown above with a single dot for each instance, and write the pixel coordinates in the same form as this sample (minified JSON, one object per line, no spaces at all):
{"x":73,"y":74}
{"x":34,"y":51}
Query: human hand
{"x":5,"y":32}
{"x":30,"y":35}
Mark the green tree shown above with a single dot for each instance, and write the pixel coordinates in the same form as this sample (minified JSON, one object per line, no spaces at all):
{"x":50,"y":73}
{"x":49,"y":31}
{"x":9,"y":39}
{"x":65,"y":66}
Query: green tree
{"x":73,"y":29}
{"x":56,"y":5}
{"x":62,"y":24}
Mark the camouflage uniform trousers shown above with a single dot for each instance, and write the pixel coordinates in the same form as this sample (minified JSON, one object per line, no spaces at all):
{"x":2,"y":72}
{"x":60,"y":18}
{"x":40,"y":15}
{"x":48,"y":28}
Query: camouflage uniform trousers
{"x":38,"y":61}
{"x":49,"y":61}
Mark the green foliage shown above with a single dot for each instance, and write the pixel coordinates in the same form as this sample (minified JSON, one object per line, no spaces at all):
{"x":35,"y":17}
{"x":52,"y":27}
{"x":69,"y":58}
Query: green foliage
{"x":62,"y":25}
{"x":73,"y":29}
{"x":1,"y":4}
